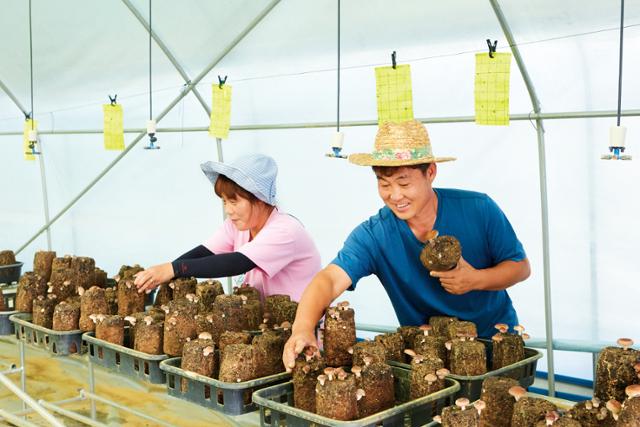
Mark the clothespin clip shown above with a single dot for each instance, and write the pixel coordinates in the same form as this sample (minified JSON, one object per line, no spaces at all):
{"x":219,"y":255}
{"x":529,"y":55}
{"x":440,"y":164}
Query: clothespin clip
{"x":393,"y":60}
{"x":221,"y":81}
{"x":492,"y":47}
{"x":113,"y":100}
{"x":151,"y":132}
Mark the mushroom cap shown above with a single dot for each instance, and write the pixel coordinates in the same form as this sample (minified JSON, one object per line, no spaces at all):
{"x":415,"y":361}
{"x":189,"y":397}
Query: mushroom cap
{"x":632,"y":390}
{"x":205,"y":336}
{"x":329,"y":370}
{"x":357,"y":370}
{"x":432,"y":234}
{"x":367,"y":360}
{"x":595,"y":401}
{"x":148,"y":320}
{"x":207,"y":350}
{"x":625,"y":342}
{"x":285,"y":325}
{"x":517,"y":391}
{"x":431,"y":378}
{"x":360,"y":394}
{"x":502,"y":327}
{"x":80,"y":290}
{"x":437,"y":419}
{"x":614,"y":406}
{"x":410,"y":352}
{"x":448,"y":345}
{"x":518,"y":328}
{"x":322,"y":379}
{"x":479,"y":405}
{"x":497,"y":337}
{"x":526,"y":336}
{"x":131,"y":320}
{"x":442,"y":372}
{"x":462,"y":402}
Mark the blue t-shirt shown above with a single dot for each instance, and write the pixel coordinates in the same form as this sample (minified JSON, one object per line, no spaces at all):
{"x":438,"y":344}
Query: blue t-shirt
{"x":384,"y":245}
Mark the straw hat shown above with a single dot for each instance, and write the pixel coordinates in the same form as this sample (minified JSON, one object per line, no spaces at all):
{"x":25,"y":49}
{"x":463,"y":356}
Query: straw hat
{"x":399,"y":144}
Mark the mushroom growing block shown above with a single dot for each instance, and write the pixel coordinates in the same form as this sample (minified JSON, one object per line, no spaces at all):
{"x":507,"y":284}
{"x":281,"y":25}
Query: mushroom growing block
{"x":66,"y":316}
{"x":183,"y":286}
{"x":409,"y":334}
{"x":30,"y":287}
{"x":615,"y":370}
{"x":427,"y":375}
{"x":527,"y":411}
{"x":129,"y":299}
{"x":468,"y":357}
{"x":630,"y":413}
{"x":42,"y":263}
{"x":198,"y":356}
{"x":462,"y":414}
{"x":376,"y":380}
{"x":498,"y":402}
{"x":592,"y":413}
{"x":92,"y":301}
{"x":339,"y":334}
{"x":440,"y":253}
{"x":337,"y":395}
{"x":109,"y":328}
{"x":372,"y":349}
{"x":180,"y":323}
{"x":440,"y":325}
{"x":7,"y":257}
{"x":459,"y":328}
{"x":309,"y":365}
{"x":42,"y":314}
{"x":207,"y":292}
{"x":393,"y":344}
{"x":237,"y":363}
{"x":267,"y":354}
{"x":507,"y":348}
{"x":232,"y":337}
{"x":149,"y":335}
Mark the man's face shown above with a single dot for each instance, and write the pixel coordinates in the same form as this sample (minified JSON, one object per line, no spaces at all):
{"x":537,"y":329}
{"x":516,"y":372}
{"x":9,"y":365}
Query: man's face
{"x":407,"y":191}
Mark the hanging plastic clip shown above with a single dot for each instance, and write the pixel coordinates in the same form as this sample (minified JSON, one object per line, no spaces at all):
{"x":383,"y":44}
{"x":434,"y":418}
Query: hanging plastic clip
{"x":393,"y":60}
{"x":617,"y":135}
{"x":336,"y":146}
{"x":33,"y":142}
{"x":113,"y":100}
{"x":151,"y":132}
{"x":221,"y":81}
{"x":492,"y":47}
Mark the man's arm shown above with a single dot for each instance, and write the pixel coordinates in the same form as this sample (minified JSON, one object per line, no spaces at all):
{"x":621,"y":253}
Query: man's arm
{"x":325,"y":287}
{"x":465,"y":278}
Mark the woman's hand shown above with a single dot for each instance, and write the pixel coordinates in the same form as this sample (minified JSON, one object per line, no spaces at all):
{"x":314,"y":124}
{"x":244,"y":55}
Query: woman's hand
{"x":149,"y":279}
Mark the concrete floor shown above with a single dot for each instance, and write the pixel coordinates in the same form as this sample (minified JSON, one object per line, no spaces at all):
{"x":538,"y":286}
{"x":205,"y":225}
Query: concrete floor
{"x":56,"y":378}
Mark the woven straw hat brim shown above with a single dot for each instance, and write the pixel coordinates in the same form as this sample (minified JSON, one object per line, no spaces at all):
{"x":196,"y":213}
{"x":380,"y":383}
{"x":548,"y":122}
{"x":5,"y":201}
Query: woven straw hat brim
{"x":366,"y":159}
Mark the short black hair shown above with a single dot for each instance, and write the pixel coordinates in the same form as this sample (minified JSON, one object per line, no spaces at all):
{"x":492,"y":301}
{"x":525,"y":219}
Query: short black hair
{"x":390,"y":170}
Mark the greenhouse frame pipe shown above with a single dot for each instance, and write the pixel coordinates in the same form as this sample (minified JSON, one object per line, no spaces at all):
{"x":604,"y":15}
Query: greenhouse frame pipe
{"x":544,"y":206}
{"x":30,"y":401}
{"x":15,"y":420}
{"x":10,"y":94}
{"x":71,"y":414}
{"x":164,"y":112}
{"x":354,"y":123}
{"x":92,"y":396}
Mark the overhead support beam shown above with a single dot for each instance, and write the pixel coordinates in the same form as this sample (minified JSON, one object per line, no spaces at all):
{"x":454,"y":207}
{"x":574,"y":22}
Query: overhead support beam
{"x":358,"y":123}
{"x":164,"y":112}
{"x":544,"y":206}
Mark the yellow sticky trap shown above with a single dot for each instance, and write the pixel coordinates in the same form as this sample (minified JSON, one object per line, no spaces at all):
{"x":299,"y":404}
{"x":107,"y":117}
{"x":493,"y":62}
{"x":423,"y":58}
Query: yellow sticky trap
{"x":113,"y":127}
{"x":220,"y":111}
{"x":25,"y":138}
{"x":492,"y":88}
{"x":393,"y":91}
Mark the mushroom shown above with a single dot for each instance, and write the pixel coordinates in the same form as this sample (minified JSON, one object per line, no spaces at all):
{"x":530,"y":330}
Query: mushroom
{"x":343,"y":305}
{"x":173,"y":321}
{"x":350,"y":350}
{"x":329,"y":372}
{"x":497,"y":337}
{"x":131,"y":320}
{"x":595,"y":401}
{"x":310,"y":352}
{"x":306,"y":369}
{"x":519,"y":329}
{"x":437,"y":419}
{"x":426,"y":329}
{"x":172,"y":285}
{"x":517,"y":392}
{"x":244,"y":299}
{"x":341,"y":374}
{"x":263,"y":327}
{"x":165,"y":308}
{"x":602,"y":413}
{"x":462,"y":403}
{"x":632,"y":390}
{"x":191,"y":297}
{"x":356,"y":370}
{"x":448,"y":345}
{"x":52,"y":296}
{"x":442,"y":373}
{"x":551,"y":417}
{"x":285,"y":325}
{"x":322,"y":379}
{"x":479,"y":405}
{"x":625,"y":343}
{"x":526,"y":336}
{"x":615,"y":407}
{"x":418,"y":359}
{"x":204,"y":335}
{"x":207,"y":350}
{"x":502,"y":327}
{"x":94,"y":317}
{"x":360,"y":394}
{"x":430,"y":237}
{"x":410,"y":353}
{"x":588,"y":405}
{"x":80,"y":290}
{"x":368,"y":360}
{"x":430,"y":378}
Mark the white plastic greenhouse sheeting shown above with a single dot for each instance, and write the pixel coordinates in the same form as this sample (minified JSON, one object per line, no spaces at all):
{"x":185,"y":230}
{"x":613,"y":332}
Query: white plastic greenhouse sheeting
{"x":155,"y":205}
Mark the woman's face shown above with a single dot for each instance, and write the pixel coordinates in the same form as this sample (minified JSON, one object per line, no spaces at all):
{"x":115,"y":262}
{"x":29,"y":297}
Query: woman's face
{"x":240,"y":211}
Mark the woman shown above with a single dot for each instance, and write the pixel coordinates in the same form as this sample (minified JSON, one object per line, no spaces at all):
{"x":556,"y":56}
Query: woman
{"x":271,"y":247}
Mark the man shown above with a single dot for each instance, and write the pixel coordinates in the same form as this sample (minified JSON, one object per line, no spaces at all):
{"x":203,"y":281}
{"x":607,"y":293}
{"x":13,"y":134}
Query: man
{"x":389,"y":244}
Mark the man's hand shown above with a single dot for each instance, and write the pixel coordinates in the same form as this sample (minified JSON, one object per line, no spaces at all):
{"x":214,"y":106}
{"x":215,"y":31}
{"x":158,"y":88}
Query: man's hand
{"x":462,"y":279}
{"x":295,"y":345}
{"x":149,"y":279}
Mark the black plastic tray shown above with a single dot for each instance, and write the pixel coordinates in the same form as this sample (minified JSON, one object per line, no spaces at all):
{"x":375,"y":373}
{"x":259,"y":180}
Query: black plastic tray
{"x":276,"y":406}
{"x":124,"y":360}
{"x":59,"y":343}
{"x":10,"y":273}
{"x":221,"y":396}
{"x":471,"y":386}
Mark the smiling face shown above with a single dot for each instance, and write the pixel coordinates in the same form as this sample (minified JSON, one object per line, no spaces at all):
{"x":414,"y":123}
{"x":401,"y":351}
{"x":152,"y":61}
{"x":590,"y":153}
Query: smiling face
{"x":406,"y":191}
{"x":241,"y":212}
